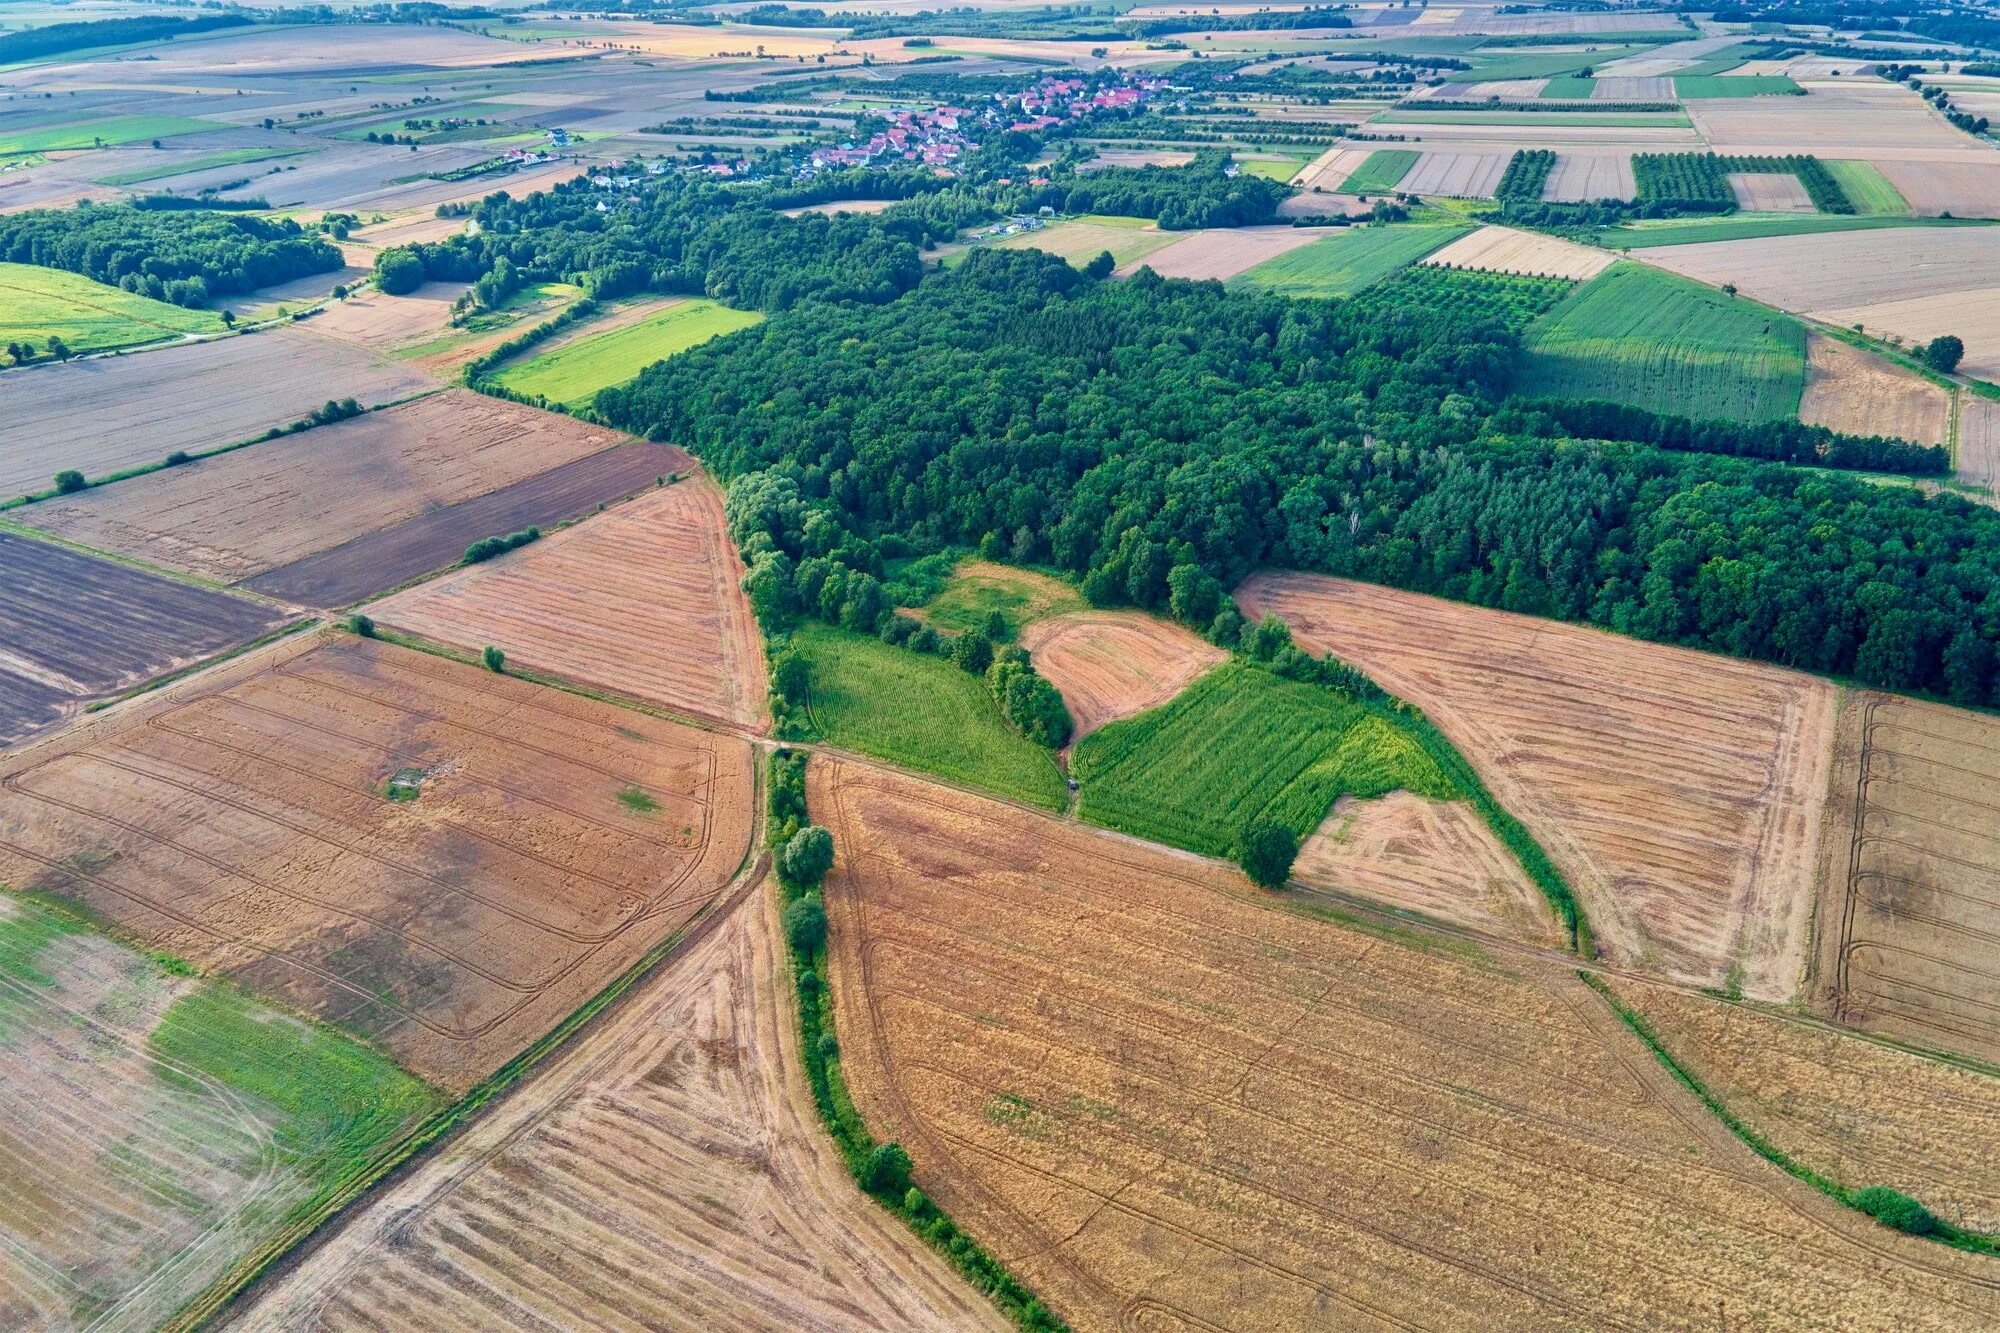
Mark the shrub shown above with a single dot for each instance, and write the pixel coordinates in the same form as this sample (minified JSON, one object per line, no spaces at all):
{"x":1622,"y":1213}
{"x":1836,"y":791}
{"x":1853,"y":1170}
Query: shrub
{"x":178,"y":457}
{"x":488,"y":547}
{"x":398,"y":271}
{"x":1943,"y":353}
{"x":806,"y":857}
{"x":1897,"y":1210}
{"x":361,"y":625}
{"x":805,"y":925}
{"x":1267,"y":852}
{"x":972,"y":652}
{"x":494,"y":659}
{"x":69,"y":481}
{"x":887,"y":1170}
{"x":792,"y":677}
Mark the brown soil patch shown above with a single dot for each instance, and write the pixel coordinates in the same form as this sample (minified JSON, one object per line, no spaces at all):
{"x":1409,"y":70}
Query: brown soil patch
{"x":236,"y":515}
{"x":1112,"y":664}
{"x":1910,"y":912}
{"x":1852,"y":1109}
{"x":1850,"y":390}
{"x":1434,"y":857}
{"x":668,"y":1170}
{"x":1962,"y":189}
{"x":1770,"y":192}
{"x":373,"y":319}
{"x":1971,"y":315}
{"x":244,"y":821}
{"x":642,"y":601}
{"x":1679,"y":792}
{"x":1167,"y":1102}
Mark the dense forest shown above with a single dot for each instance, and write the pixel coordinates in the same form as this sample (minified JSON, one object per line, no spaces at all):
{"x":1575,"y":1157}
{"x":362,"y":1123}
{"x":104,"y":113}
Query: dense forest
{"x":55,"y":38}
{"x":1203,"y":193}
{"x":1147,"y":434}
{"x":170,"y":255}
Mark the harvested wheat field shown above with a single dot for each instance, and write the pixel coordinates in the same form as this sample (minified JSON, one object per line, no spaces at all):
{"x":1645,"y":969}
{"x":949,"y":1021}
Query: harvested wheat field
{"x":1979,"y":442}
{"x":642,"y":601}
{"x":1962,"y":189}
{"x":1850,"y":390}
{"x":1457,"y":175}
{"x":1167,"y":1102}
{"x":1112,"y":664}
{"x":1504,"y":250}
{"x":1972,"y":315}
{"x":1840,"y":118}
{"x":1770,"y":192}
{"x":1678,"y":792}
{"x":1587,"y":177}
{"x":1852,"y":1109}
{"x":1224,"y":252}
{"x":667,"y":1171}
{"x":430,"y":856}
{"x":1910,"y":905}
{"x":1832,"y":270}
{"x":379,"y":321}
{"x":1435,"y":857}
{"x":239,"y":514}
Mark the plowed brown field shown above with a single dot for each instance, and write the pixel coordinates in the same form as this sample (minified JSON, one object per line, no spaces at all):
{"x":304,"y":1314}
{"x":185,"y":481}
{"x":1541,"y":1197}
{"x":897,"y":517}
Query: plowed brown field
{"x":667,"y":1171}
{"x":1910,"y":915}
{"x":245,"y":821}
{"x":1434,"y":857}
{"x":1169,"y":1104}
{"x":1853,"y":1109}
{"x":1112,"y":664}
{"x":1678,"y":791}
{"x":642,"y":601}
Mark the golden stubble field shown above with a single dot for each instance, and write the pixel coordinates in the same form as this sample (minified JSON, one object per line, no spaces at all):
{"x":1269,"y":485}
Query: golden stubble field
{"x":1167,"y":1102}
{"x":1679,"y":792}
{"x":1112,"y":664}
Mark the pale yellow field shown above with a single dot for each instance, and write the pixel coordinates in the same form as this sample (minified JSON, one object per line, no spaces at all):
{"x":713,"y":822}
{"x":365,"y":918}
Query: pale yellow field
{"x":1504,"y":250}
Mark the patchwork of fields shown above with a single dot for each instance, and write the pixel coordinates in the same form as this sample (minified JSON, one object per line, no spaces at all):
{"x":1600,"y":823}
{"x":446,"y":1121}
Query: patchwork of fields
{"x":1348,"y":261}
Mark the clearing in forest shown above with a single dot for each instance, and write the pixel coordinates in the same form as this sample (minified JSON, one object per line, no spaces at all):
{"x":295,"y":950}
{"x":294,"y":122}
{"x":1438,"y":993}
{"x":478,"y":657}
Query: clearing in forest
{"x":978,"y":589}
{"x":1080,"y":240}
{"x":1155,"y":1090}
{"x":1678,"y":791}
{"x":37,"y":304}
{"x":1349,"y":261}
{"x":573,"y":370}
{"x":1109,"y":665}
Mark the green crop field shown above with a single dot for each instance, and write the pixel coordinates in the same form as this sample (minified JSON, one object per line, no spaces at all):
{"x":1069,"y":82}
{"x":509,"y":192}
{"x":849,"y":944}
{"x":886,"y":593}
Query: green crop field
{"x":1501,"y":65}
{"x":1349,"y":261}
{"x":1751,"y":226}
{"x":1277,"y":171}
{"x":914,"y":709}
{"x":1548,"y":120}
{"x":1381,"y":171}
{"x":1666,"y":343}
{"x":1238,"y":744}
{"x":1080,"y":240}
{"x":1708,"y":87}
{"x":1868,"y":189}
{"x":106,"y":133}
{"x":39,"y":303}
{"x":573,"y":372}
{"x":180,"y":166}
{"x":1569,"y":88}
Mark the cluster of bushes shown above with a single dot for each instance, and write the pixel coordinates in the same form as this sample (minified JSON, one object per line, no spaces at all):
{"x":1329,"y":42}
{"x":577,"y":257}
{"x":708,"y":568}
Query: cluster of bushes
{"x":1527,"y":175}
{"x":486,"y":548}
{"x":324,"y":415}
{"x":1786,"y":441}
{"x":185,"y":258}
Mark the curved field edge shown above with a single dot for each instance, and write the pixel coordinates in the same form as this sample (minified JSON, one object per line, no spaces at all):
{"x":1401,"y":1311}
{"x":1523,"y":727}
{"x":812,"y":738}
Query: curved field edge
{"x":1855,"y":1197}
{"x":819,"y":1050}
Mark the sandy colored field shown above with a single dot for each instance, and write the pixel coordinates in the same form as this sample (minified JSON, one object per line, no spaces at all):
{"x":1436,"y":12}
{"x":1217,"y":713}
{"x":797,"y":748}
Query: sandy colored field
{"x":1850,"y":390}
{"x":241,"y":821}
{"x":103,"y":415}
{"x":418,"y":228}
{"x":1587,"y":177}
{"x":1657,"y":88}
{"x":1679,"y":792}
{"x":1112,"y":664}
{"x":1079,"y":241}
{"x":1979,"y":442}
{"x":1856,"y":1110}
{"x":1458,"y":175}
{"x":1224,"y":252}
{"x":1770,"y":192}
{"x":1832,"y":271}
{"x":1504,"y":250}
{"x":374,"y":320}
{"x":236,"y":515}
{"x":1972,"y":315}
{"x":642,"y":601}
{"x":1330,"y":168}
{"x":1435,"y":857}
{"x":1962,"y":189}
{"x":1910,"y":904}
{"x":667,"y":1171}
{"x":1133,"y":157}
{"x":1839,"y":118}
{"x":1170,"y":1103}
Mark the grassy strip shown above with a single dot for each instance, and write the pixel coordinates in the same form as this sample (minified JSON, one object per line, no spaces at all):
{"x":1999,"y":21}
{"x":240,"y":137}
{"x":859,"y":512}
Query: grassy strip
{"x":1890,"y":1207}
{"x":880,"y":1169}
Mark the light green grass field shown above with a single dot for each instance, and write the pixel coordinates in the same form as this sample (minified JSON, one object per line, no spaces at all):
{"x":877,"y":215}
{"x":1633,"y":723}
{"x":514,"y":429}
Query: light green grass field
{"x":1868,"y":189}
{"x":1502,"y":64}
{"x":182,"y":166}
{"x":914,"y":709}
{"x":1669,"y":344}
{"x":1719,"y":62}
{"x":1349,"y":261}
{"x":1080,"y":240}
{"x":575,"y":371}
{"x":1744,"y":227}
{"x":1569,"y":88}
{"x":1546,"y":119}
{"x":1708,"y":87}
{"x":1238,"y":744}
{"x":1277,"y":171}
{"x":1381,"y":171}
{"x":978,"y":588}
{"x":118,"y":130}
{"x":37,"y":303}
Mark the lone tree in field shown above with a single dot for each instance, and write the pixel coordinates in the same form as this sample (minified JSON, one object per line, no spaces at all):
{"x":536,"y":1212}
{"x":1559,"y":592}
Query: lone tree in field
{"x":1944,"y":353}
{"x":398,"y":271}
{"x":494,"y":659}
{"x":1267,"y":852}
{"x":69,"y":481}
{"x":806,"y":857}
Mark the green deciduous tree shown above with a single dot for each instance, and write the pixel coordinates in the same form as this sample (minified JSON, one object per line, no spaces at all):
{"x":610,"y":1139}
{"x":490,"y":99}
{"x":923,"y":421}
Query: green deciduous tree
{"x":1266,"y":853}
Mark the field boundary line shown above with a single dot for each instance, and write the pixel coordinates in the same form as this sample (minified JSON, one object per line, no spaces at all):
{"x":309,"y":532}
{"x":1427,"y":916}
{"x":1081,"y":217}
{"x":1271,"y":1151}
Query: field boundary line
{"x":193,"y":668}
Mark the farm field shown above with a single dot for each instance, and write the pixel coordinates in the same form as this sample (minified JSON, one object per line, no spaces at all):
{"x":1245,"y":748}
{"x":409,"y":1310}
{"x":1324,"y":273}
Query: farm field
{"x":102,"y":416}
{"x":381,"y":322}
{"x":1868,"y":189}
{"x":1456,"y":175}
{"x":37,"y":304}
{"x":1331,"y":169}
{"x":1971,"y":315}
{"x":1109,"y":665}
{"x":977,"y":589}
{"x":107,"y":133}
{"x":1962,"y":189}
{"x":1380,"y":171}
{"x":914,"y":709}
{"x":668,"y":1162}
{"x":1581,"y":177}
{"x":248,"y":511}
{"x":1912,"y":881}
{"x":159,"y":1128}
{"x":433,"y":858}
{"x":1159,"y":1092}
{"x":1237,"y":745}
{"x":1770,"y":192}
{"x":1738,"y":227}
{"x":1349,"y":261}
{"x":1860,"y":393}
{"x":1679,"y":792}
{"x":641,"y":601}
{"x":1640,"y":336}
{"x":1844,"y":118}
{"x":78,"y":628}
{"x":1979,"y":442}
{"x":1080,"y":240}
{"x":1225,"y":252}
{"x":1845,"y":269}
{"x":1857,"y":1111}
{"x":1505,"y":250}
{"x":573,"y":370}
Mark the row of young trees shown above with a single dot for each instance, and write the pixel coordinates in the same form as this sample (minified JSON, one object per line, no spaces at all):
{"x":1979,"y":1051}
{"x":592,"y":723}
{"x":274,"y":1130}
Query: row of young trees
{"x":183,"y":257}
